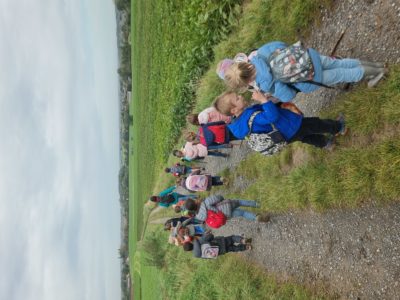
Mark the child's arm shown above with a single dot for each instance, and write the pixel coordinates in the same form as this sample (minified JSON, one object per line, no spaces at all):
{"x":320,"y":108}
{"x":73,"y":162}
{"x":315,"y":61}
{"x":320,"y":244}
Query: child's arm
{"x":211,"y":201}
{"x":167,"y":191}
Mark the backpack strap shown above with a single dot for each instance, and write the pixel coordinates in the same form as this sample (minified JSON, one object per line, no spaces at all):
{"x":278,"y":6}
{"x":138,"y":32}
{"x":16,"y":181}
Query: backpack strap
{"x":251,"y":119}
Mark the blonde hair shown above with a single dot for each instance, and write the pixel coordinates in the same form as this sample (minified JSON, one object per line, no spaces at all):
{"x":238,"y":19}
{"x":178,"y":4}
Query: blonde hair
{"x":223,"y":104}
{"x":238,"y":76}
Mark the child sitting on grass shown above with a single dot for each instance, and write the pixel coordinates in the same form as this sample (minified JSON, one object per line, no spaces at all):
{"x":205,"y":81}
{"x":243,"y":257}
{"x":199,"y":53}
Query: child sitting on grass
{"x":267,"y":116}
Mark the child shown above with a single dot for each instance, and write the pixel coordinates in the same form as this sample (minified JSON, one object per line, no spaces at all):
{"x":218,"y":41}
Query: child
{"x":230,"y":208}
{"x":178,"y":169}
{"x":218,"y":138}
{"x":197,"y":182}
{"x":261,"y":73}
{"x":193,"y":151}
{"x":167,"y":197}
{"x":208,"y":115}
{"x":291,"y":126}
{"x":209,"y":246}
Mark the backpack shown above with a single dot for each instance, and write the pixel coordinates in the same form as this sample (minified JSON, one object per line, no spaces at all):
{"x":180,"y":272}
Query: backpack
{"x":213,"y":133}
{"x":265,"y":143}
{"x":215,"y":219}
{"x":291,"y":64}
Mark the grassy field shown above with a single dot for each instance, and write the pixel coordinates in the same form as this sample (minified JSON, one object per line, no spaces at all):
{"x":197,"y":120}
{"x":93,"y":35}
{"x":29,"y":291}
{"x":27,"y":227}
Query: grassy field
{"x":174,"y":43}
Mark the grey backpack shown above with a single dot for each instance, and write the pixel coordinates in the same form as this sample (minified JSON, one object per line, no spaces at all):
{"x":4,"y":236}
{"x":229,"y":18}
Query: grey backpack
{"x":291,"y":64}
{"x":265,"y":143}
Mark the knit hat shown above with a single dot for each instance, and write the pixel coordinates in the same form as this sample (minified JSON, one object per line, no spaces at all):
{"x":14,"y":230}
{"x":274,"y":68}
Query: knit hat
{"x":222,"y":66}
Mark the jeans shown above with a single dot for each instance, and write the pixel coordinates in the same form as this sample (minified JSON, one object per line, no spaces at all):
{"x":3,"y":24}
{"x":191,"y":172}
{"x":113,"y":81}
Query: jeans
{"x":237,"y":212}
{"x":312,"y":131}
{"x":336,"y":71}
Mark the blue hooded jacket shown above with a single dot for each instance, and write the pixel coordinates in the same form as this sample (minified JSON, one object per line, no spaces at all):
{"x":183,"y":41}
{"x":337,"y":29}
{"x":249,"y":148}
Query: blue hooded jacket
{"x":287,"y":122}
{"x":278,"y":89}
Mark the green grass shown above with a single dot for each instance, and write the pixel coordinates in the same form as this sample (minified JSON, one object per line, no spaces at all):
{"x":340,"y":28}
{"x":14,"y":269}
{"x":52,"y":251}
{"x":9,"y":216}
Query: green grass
{"x":364,"y":167}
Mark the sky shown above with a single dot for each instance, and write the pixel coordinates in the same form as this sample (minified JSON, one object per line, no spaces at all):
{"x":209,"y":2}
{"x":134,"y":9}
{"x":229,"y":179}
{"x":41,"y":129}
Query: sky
{"x":59,"y":143}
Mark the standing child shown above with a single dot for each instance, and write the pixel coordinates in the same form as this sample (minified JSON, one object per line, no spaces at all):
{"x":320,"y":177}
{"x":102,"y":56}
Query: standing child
{"x":209,"y":246}
{"x":168,"y":197}
{"x":230,"y":208}
{"x":197,"y":182}
{"x":193,"y":150}
{"x":283,"y":71}
{"x":286,"y":125}
{"x":179,"y":170}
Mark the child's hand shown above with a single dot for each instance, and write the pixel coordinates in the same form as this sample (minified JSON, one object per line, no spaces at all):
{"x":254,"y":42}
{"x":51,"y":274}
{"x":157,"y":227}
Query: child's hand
{"x":260,"y":97}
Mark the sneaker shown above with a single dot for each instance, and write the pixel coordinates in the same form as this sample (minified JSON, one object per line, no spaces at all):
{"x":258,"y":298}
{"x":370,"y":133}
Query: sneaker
{"x":330,"y":144}
{"x":249,"y":247}
{"x":246,"y":240}
{"x":343,"y":129}
{"x":263,"y":218}
{"x":374,"y":81}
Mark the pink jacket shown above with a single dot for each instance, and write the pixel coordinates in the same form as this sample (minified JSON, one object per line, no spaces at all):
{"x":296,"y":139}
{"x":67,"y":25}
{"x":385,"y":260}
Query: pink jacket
{"x":212,"y":115}
{"x":193,"y":151}
{"x":198,"y":183}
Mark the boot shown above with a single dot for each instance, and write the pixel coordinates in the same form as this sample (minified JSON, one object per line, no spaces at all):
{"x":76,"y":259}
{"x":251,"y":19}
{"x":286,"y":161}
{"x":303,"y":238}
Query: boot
{"x":372,"y":64}
{"x":373,"y":74}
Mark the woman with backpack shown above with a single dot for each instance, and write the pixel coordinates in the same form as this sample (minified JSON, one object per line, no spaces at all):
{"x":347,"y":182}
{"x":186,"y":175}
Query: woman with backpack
{"x":283,"y":71}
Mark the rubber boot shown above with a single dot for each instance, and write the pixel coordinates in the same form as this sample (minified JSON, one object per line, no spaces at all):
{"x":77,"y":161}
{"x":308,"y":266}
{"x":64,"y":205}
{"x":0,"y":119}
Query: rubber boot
{"x":373,"y":74}
{"x":372,"y":64}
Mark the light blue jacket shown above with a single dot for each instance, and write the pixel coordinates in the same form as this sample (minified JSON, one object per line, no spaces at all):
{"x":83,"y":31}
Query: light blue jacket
{"x":278,"y":89}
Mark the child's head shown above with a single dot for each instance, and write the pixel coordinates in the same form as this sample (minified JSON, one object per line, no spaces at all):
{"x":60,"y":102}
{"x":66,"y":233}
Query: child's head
{"x":193,"y":119}
{"x":167,"y":225}
{"x":177,"y":153}
{"x":190,"y":205}
{"x":177,"y":209}
{"x":230,"y":104}
{"x":239,"y":75}
{"x":155,"y":199}
{"x":167,"y":170}
{"x":187,"y":246}
{"x":222,"y":66}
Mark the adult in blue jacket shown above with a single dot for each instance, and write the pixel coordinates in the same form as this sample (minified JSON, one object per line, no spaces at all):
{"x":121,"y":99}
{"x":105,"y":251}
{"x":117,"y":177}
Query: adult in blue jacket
{"x":292,"y":126}
{"x":328,"y":71}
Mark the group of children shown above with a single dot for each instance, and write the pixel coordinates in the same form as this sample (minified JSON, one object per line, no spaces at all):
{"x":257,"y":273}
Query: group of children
{"x":274,"y":74}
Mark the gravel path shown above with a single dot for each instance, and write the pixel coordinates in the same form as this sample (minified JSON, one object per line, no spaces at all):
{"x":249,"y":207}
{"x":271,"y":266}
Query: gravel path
{"x":351,"y":254}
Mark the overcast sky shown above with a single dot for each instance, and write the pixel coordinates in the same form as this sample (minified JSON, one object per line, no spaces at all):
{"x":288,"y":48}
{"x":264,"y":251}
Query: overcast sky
{"x":59,"y":209}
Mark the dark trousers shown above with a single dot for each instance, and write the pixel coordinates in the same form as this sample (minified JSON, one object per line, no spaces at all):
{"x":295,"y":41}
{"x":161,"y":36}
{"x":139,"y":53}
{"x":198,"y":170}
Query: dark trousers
{"x":216,"y":153}
{"x":312,"y":131}
{"x":232,"y":244}
{"x":216,"y":180}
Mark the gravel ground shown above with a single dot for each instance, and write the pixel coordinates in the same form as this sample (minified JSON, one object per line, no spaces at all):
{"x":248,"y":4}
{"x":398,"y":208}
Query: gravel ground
{"x":350,"y":254}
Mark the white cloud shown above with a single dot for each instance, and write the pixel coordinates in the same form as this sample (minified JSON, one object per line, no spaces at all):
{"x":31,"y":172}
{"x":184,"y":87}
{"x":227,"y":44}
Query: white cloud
{"x":59,"y":214}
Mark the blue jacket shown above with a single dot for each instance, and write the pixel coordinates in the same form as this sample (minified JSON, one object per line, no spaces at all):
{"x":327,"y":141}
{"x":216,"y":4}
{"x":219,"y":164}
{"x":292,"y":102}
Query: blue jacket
{"x":287,"y":122}
{"x":278,"y":89}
